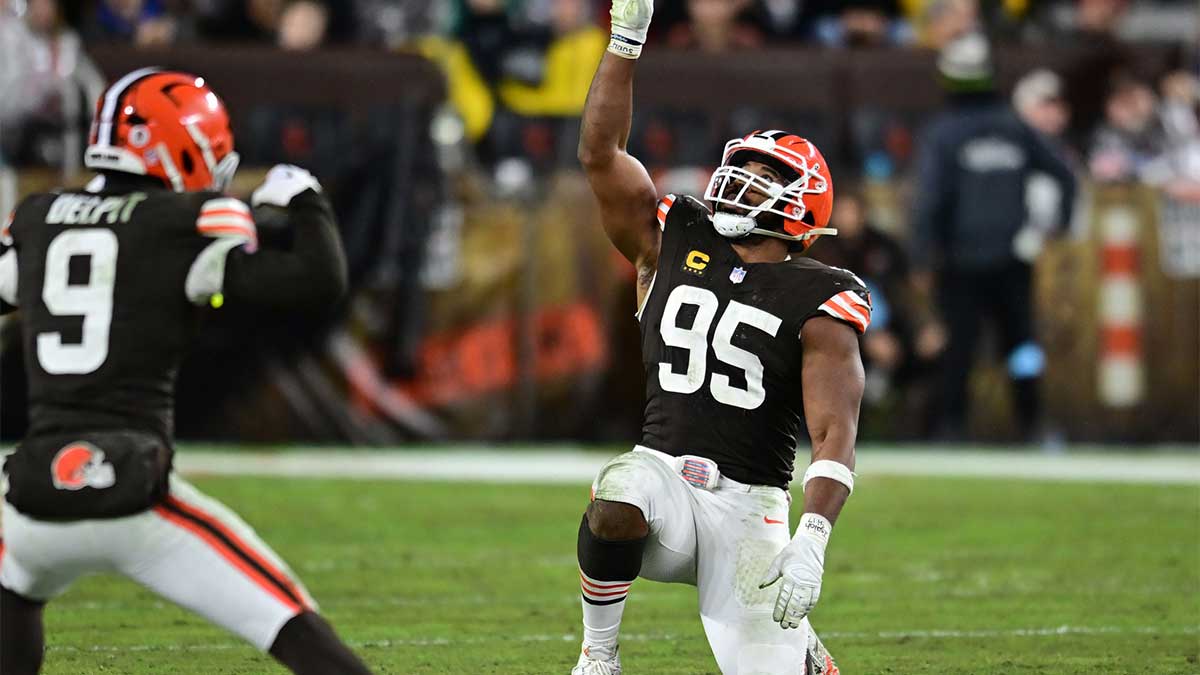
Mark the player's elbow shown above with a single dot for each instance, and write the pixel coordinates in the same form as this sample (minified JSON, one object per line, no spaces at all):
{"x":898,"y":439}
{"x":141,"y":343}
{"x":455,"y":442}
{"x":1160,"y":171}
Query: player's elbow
{"x":834,"y":439}
{"x":593,"y":157}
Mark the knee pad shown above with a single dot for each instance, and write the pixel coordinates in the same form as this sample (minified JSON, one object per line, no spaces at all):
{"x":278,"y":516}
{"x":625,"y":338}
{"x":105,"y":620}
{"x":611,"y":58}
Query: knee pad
{"x":605,"y":560}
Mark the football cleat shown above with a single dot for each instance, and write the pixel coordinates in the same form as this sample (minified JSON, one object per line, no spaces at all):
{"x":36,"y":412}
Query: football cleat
{"x":594,"y":660}
{"x":819,"y":661}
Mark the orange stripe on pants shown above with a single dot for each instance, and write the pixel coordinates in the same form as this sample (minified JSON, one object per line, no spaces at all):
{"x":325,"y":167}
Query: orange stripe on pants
{"x":230,"y":555}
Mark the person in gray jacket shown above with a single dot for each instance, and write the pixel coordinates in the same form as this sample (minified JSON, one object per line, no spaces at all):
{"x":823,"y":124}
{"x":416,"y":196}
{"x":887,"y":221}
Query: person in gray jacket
{"x":973,"y":165}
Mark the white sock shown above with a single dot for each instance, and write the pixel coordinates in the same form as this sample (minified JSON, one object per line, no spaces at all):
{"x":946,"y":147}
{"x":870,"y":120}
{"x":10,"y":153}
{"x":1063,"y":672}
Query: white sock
{"x":603,"y":604}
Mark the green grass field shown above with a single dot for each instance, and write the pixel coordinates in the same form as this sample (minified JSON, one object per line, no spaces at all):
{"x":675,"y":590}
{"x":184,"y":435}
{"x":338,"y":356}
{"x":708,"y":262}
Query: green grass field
{"x":923,"y":576}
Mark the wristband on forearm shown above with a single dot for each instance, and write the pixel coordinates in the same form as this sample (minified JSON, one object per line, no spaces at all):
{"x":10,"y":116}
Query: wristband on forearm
{"x":825,"y":468}
{"x":623,"y":45}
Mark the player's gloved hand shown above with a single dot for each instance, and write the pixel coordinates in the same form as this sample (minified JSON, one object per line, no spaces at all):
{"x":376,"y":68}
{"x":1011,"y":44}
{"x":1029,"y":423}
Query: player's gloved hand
{"x":630,"y":24}
{"x":282,"y":184}
{"x":800,"y":566}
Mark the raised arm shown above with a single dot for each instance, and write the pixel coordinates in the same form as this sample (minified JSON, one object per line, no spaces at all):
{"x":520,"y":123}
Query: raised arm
{"x":627,"y":196}
{"x":309,"y":277}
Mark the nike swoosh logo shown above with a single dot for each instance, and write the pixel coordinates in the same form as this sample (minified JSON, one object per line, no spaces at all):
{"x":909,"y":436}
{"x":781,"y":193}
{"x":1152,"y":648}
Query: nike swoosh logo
{"x":773,"y":522}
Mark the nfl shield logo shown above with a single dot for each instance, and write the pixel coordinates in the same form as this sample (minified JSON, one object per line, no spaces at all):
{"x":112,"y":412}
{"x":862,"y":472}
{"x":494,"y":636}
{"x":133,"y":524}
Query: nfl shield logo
{"x":737,"y":275}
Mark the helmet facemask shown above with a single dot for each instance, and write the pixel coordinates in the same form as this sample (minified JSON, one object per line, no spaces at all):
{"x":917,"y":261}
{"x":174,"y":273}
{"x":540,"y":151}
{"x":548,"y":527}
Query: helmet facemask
{"x":731,"y":184}
{"x":224,"y":171}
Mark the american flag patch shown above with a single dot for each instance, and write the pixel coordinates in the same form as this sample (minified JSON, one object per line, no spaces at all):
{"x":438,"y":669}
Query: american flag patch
{"x":696,"y":472}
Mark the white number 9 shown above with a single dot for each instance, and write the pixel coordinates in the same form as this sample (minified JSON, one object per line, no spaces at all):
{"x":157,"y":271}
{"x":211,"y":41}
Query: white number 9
{"x":93,"y":301}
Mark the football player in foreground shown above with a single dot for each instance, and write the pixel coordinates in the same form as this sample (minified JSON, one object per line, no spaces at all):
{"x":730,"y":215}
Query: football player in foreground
{"x":741,"y":343}
{"x":108,"y":281}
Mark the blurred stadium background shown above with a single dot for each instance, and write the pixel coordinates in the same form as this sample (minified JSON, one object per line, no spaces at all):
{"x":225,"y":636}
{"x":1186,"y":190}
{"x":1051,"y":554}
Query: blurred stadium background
{"x":487,"y":308}
{"x":487,"y":304}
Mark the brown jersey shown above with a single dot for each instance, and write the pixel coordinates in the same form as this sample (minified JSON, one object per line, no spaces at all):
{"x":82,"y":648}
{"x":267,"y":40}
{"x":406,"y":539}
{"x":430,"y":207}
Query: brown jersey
{"x":721,"y":346}
{"x":108,"y":283}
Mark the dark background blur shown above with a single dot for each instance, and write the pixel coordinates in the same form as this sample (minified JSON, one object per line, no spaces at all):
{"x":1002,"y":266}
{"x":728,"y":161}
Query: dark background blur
{"x":487,"y":303}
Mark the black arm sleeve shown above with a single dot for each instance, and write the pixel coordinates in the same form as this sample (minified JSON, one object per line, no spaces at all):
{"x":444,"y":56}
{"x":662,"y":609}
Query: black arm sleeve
{"x":310,"y":277}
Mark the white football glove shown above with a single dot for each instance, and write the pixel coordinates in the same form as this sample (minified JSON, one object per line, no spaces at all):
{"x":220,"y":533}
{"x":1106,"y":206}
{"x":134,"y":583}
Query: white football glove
{"x":282,"y":184}
{"x":800,"y":565}
{"x":630,"y":24}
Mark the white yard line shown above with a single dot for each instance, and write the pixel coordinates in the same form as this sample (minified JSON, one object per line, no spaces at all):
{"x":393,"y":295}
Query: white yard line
{"x":1054,"y":631}
{"x":575,"y":466}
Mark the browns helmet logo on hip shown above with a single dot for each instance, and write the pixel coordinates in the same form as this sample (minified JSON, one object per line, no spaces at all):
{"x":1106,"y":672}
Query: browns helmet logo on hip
{"x":79,"y":465}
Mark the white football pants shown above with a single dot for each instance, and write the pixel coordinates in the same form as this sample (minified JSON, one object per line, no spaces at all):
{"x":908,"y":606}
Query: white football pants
{"x":190,"y":549}
{"x":721,"y":541}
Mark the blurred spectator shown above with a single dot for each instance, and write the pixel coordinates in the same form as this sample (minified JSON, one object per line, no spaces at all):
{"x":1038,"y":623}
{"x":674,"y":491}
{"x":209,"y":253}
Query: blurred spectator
{"x":903,"y":342}
{"x":788,"y":19}
{"x":1131,"y":137}
{"x":1099,"y":16}
{"x":295,"y":25}
{"x":1180,"y":107}
{"x":143,"y":23}
{"x":863,"y":23}
{"x":1141,"y":139}
{"x":716,"y":26}
{"x":489,"y":34}
{"x":576,"y":46}
{"x":47,"y":86}
{"x":973,"y":166}
{"x":539,"y":117}
{"x":515,"y":73}
{"x":238,"y":21}
{"x":396,"y":23}
{"x":1102,"y":60}
{"x":303,"y":25}
{"x":943,"y":21}
{"x":1038,"y":99}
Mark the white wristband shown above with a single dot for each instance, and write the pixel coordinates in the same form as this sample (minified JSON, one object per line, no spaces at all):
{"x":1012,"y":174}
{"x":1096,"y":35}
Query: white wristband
{"x":625,"y":47}
{"x":816,"y":526}
{"x":826,"y":468}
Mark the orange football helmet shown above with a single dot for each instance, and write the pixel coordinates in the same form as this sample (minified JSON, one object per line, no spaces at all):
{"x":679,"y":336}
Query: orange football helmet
{"x":165,"y":124}
{"x":805,"y":203}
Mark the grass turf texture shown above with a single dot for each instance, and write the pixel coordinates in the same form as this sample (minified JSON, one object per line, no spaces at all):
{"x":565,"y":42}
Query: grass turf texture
{"x":467,"y":578}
